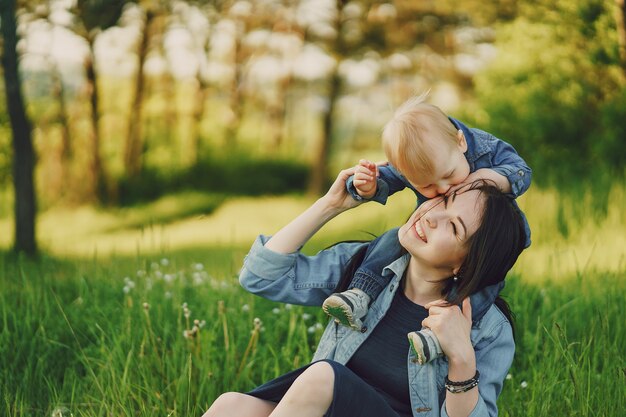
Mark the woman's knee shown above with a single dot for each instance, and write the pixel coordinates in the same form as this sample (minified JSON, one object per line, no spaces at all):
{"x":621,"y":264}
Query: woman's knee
{"x":225,"y":405}
{"x":320,"y":379}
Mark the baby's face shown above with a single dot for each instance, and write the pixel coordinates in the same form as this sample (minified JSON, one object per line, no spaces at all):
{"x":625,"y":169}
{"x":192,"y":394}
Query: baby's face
{"x":450,"y":168}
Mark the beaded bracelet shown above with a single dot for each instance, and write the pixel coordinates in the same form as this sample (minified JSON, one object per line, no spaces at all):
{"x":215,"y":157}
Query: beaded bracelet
{"x":462,"y":386}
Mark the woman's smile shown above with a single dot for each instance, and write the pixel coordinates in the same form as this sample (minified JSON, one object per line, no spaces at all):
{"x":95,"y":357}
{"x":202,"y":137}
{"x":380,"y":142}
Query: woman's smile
{"x":420,"y":231}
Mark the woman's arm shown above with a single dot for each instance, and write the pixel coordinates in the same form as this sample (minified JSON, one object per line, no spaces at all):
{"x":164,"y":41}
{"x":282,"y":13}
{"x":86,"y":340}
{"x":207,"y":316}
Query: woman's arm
{"x":295,"y":234}
{"x":275,"y":269}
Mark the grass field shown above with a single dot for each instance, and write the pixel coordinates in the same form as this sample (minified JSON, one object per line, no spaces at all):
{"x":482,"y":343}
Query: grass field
{"x":104,"y":323}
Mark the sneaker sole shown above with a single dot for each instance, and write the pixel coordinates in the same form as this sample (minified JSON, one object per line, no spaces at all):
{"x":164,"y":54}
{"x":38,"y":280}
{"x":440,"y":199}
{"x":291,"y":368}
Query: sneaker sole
{"x":339,"y":313}
{"x":418,"y":348}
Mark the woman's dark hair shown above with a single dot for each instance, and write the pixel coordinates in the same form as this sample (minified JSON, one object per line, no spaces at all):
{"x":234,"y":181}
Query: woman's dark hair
{"x":492,"y":249}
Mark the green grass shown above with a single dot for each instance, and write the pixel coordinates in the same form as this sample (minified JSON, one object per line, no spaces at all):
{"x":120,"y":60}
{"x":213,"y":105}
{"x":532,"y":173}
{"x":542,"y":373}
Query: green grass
{"x":70,"y":336}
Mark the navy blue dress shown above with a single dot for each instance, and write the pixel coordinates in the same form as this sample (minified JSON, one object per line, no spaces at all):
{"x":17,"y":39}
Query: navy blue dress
{"x":364,"y":387}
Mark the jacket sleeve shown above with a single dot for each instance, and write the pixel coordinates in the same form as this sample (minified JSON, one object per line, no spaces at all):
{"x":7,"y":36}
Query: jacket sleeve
{"x":388,"y":183}
{"x":494,"y":355}
{"x":294,"y":278}
{"x":506,"y":161}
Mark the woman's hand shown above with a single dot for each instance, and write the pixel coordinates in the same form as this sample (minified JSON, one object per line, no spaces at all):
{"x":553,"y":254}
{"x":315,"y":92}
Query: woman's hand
{"x":452,"y":326}
{"x":337,"y":197}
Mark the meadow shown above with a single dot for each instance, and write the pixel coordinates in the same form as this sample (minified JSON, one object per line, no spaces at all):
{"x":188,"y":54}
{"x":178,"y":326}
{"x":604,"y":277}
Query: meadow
{"x":139,"y":312}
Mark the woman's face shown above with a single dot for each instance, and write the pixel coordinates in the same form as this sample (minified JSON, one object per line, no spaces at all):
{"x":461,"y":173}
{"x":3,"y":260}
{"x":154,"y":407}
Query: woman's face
{"x":437,"y":232}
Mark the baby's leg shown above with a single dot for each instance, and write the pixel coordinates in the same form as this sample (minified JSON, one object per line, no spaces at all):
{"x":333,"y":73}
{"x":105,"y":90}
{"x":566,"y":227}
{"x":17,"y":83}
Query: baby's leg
{"x":235,"y":404}
{"x":349,"y":307}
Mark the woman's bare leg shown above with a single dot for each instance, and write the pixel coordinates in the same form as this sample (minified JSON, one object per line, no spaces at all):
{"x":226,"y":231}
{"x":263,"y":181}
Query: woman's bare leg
{"x":310,"y":395}
{"x":234,"y":404}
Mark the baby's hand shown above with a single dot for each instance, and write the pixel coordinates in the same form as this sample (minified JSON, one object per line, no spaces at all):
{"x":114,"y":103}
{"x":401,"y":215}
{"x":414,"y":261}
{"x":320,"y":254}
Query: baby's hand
{"x":365,"y":176}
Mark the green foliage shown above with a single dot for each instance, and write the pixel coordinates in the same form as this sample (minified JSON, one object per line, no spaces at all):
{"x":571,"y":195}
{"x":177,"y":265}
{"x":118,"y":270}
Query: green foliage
{"x":557,"y":91}
{"x":232,"y":175}
{"x":77,"y":335}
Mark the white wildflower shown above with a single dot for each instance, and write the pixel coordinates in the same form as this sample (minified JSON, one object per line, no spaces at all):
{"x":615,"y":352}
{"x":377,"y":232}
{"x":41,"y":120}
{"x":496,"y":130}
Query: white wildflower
{"x":306,"y":316}
{"x":276,"y":310}
{"x":245,"y":308}
{"x":524,"y":384}
{"x":509,"y":376}
{"x":165,"y":262}
{"x":198,"y":267}
{"x":288,"y":306}
{"x":311,"y":329}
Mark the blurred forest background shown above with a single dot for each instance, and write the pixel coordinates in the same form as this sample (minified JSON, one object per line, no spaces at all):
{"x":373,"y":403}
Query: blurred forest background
{"x":126,"y":102}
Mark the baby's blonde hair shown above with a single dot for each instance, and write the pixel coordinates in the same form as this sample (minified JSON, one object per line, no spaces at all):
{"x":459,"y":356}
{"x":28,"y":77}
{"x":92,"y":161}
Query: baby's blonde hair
{"x":405,"y":136}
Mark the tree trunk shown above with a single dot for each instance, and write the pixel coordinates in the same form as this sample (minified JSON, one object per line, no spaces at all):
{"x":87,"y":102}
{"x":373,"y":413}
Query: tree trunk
{"x":134,"y":139}
{"x":98,"y":179}
{"x":236,"y":105}
{"x":319,"y":172}
{"x":278,"y":114}
{"x":620,"y":23}
{"x":190,"y":156}
{"x":58,"y":92}
{"x":320,"y":164}
{"x":23,"y":152}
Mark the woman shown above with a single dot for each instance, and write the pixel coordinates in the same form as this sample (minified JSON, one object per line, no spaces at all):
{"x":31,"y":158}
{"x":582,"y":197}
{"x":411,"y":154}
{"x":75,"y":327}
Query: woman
{"x":455,"y":246}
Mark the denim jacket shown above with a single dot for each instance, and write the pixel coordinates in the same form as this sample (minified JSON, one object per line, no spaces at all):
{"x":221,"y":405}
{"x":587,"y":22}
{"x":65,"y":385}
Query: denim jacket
{"x":308,"y":280}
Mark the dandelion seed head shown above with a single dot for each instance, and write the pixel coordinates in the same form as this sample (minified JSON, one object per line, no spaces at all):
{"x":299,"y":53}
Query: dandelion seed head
{"x":509,"y":376}
{"x":165,"y":262}
{"x":159,"y":275}
{"x":311,"y":329}
{"x":288,"y":306}
{"x":196,"y":322}
{"x":202,"y":323}
{"x":306,"y":316}
{"x":154,"y":265}
{"x":319,"y":326}
{"x":276,"y":310}
{"x":126,"y":289}
{"x":245,"y":308}
{"x":146,"y":306}
{"x":141,"y":273}
{"x":168,"y":294}
{"x":257,"y":322}
{"x":524,"y":384}
{"x":198,"y":267}
{"x":62,"y":412}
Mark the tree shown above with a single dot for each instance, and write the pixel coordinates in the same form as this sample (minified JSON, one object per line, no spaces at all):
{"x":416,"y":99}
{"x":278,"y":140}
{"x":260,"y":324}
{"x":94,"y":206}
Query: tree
{"x":154,"y":11}
{"x":94,"y":17}
{"x":23,"y":152}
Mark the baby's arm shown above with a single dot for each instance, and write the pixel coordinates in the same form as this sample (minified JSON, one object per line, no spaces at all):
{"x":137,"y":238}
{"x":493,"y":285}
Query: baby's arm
{"x":500,"y":180}
{"x":387,"y":180}
{"x":507,"y":164}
